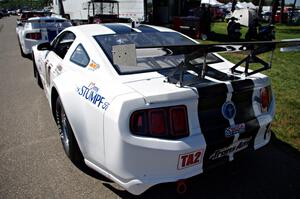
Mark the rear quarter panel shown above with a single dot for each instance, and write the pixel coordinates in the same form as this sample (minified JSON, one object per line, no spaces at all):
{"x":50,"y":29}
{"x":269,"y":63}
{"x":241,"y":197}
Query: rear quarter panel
{"x":86,"y":94}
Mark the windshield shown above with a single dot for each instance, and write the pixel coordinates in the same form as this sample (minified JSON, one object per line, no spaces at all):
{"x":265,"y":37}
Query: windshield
{"x":141,"y":52}
{"x":50,"y":23}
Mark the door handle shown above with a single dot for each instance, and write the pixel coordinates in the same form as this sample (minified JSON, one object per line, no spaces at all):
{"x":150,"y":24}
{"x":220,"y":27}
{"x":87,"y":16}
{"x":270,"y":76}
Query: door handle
{"x":50,"y":65}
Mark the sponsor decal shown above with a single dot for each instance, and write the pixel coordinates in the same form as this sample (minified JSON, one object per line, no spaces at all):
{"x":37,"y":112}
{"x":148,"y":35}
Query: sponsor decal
{"x":228,"y":110}
{"x":92,"y":94}
{"x":59,"y":68}
{"x":93,"y":65}
{"x":235,"y":147}
{"x":236,"y":129}
{"x":189,"y":159}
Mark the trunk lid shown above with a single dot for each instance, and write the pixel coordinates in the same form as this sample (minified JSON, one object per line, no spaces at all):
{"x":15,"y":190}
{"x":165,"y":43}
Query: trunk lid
{"x":156,"y":90}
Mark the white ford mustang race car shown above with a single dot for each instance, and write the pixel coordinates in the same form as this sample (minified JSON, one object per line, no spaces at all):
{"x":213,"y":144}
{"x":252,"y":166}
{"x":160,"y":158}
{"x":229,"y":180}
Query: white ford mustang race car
{"x":38,"y":30}
{"x":147,"y":105}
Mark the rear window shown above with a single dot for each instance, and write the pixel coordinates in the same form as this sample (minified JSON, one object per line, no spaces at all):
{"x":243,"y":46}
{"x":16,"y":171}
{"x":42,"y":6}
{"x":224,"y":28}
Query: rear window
{"x":28,"y":15}
{"x":38,"y":24}
{"x":144,"y":52}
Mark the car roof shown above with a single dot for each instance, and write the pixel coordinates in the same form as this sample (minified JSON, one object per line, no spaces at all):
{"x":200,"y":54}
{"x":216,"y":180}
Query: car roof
{"x":28,"y":11}
{"x":91,"y":30}
{"x":45,"y":18}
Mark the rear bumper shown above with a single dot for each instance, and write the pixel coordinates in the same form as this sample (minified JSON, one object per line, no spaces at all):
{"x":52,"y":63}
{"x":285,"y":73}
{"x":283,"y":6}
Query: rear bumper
{"x":137,"y":168}
{"x":263,"y":135}
{"x":139,"y":164}
{"x":29,"y":43}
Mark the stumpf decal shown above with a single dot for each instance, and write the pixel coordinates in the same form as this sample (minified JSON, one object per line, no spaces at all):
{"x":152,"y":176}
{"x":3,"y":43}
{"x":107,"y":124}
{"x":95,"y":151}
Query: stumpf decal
{"x":233,"y":148}
{"x":92,"y":94}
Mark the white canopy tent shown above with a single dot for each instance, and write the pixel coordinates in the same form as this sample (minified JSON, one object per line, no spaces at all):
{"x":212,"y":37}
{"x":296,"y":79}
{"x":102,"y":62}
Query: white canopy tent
{"x":228,"y":5}
{"x":211,"y":2}
{"x":241,"y":5}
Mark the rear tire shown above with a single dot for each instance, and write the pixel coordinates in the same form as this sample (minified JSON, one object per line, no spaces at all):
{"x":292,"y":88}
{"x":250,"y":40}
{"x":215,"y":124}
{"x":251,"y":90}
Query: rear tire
{"x":67,"y":137}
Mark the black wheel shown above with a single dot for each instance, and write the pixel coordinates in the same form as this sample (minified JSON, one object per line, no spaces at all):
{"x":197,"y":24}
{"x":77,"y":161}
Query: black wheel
{"x":67,"y":137}
{"x":36,"y":74}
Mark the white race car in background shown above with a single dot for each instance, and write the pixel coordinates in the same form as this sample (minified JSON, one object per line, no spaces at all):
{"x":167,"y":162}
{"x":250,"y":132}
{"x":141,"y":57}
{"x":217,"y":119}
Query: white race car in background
{"x":120,"y":111}
{"x":38,"y":30}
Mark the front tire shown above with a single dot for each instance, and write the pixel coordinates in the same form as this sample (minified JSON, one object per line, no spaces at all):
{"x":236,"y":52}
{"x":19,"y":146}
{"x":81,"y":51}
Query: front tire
{"x":67,"y":137}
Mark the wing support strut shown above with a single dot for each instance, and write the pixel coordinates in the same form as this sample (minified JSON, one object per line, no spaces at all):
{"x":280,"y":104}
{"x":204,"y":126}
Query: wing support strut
{"x":252,"y":58}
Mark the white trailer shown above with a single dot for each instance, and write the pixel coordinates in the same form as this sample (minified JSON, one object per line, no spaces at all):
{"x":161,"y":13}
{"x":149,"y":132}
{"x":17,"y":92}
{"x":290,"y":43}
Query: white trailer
{"x":78,"y":10}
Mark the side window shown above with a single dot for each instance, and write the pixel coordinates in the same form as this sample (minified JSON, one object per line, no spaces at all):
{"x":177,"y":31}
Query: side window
{"x":62,"y":44}
{"x":80,"y":56}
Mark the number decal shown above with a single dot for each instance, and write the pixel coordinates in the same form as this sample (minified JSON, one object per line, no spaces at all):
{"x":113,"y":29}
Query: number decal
{"x":189,"y":159}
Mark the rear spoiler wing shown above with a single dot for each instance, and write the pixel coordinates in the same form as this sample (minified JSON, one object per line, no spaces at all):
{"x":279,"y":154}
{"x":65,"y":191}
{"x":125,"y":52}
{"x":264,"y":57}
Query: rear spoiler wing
{"x":126,"y":54}
{"x":252,"y":50}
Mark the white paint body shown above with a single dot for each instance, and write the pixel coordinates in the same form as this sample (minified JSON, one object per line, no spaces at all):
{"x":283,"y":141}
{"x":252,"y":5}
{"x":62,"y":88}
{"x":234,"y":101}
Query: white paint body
{"x":134,"y":162}
{"x":27,"y":43}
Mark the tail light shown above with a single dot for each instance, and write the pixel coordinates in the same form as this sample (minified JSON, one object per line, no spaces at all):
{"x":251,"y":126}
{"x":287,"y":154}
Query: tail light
{"x":265,"y":96}
{"x":35,"y":36}
{"x":167,"y":122}
{"x":179,"y":123}
{"x":157,"y":122}
{"x":138,"y":122}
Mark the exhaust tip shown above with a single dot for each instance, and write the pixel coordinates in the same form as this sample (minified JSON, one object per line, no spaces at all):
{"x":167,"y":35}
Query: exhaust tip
{"x":181,"y":187}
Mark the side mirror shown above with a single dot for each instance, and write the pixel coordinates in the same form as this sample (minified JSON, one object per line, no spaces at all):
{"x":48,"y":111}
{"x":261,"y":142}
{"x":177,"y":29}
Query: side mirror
{"x":44,"y":46}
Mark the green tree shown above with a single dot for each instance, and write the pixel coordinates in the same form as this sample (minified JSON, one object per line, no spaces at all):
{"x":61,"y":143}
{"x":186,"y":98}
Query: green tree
{"x":24,"y":3}
{"x":293,"y":9}
{"x":260,"y":6}
{"x":282,"y":11}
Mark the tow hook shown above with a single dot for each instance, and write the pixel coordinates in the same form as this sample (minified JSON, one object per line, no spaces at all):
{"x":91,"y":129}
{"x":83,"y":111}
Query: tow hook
{"x":181,"y":187}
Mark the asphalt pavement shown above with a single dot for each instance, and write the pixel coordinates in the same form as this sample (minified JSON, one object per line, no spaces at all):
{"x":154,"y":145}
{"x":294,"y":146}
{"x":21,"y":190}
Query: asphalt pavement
{"x":34,"y":165}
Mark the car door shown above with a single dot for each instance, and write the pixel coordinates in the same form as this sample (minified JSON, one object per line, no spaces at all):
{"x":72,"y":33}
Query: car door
{"x":54,"y":59}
